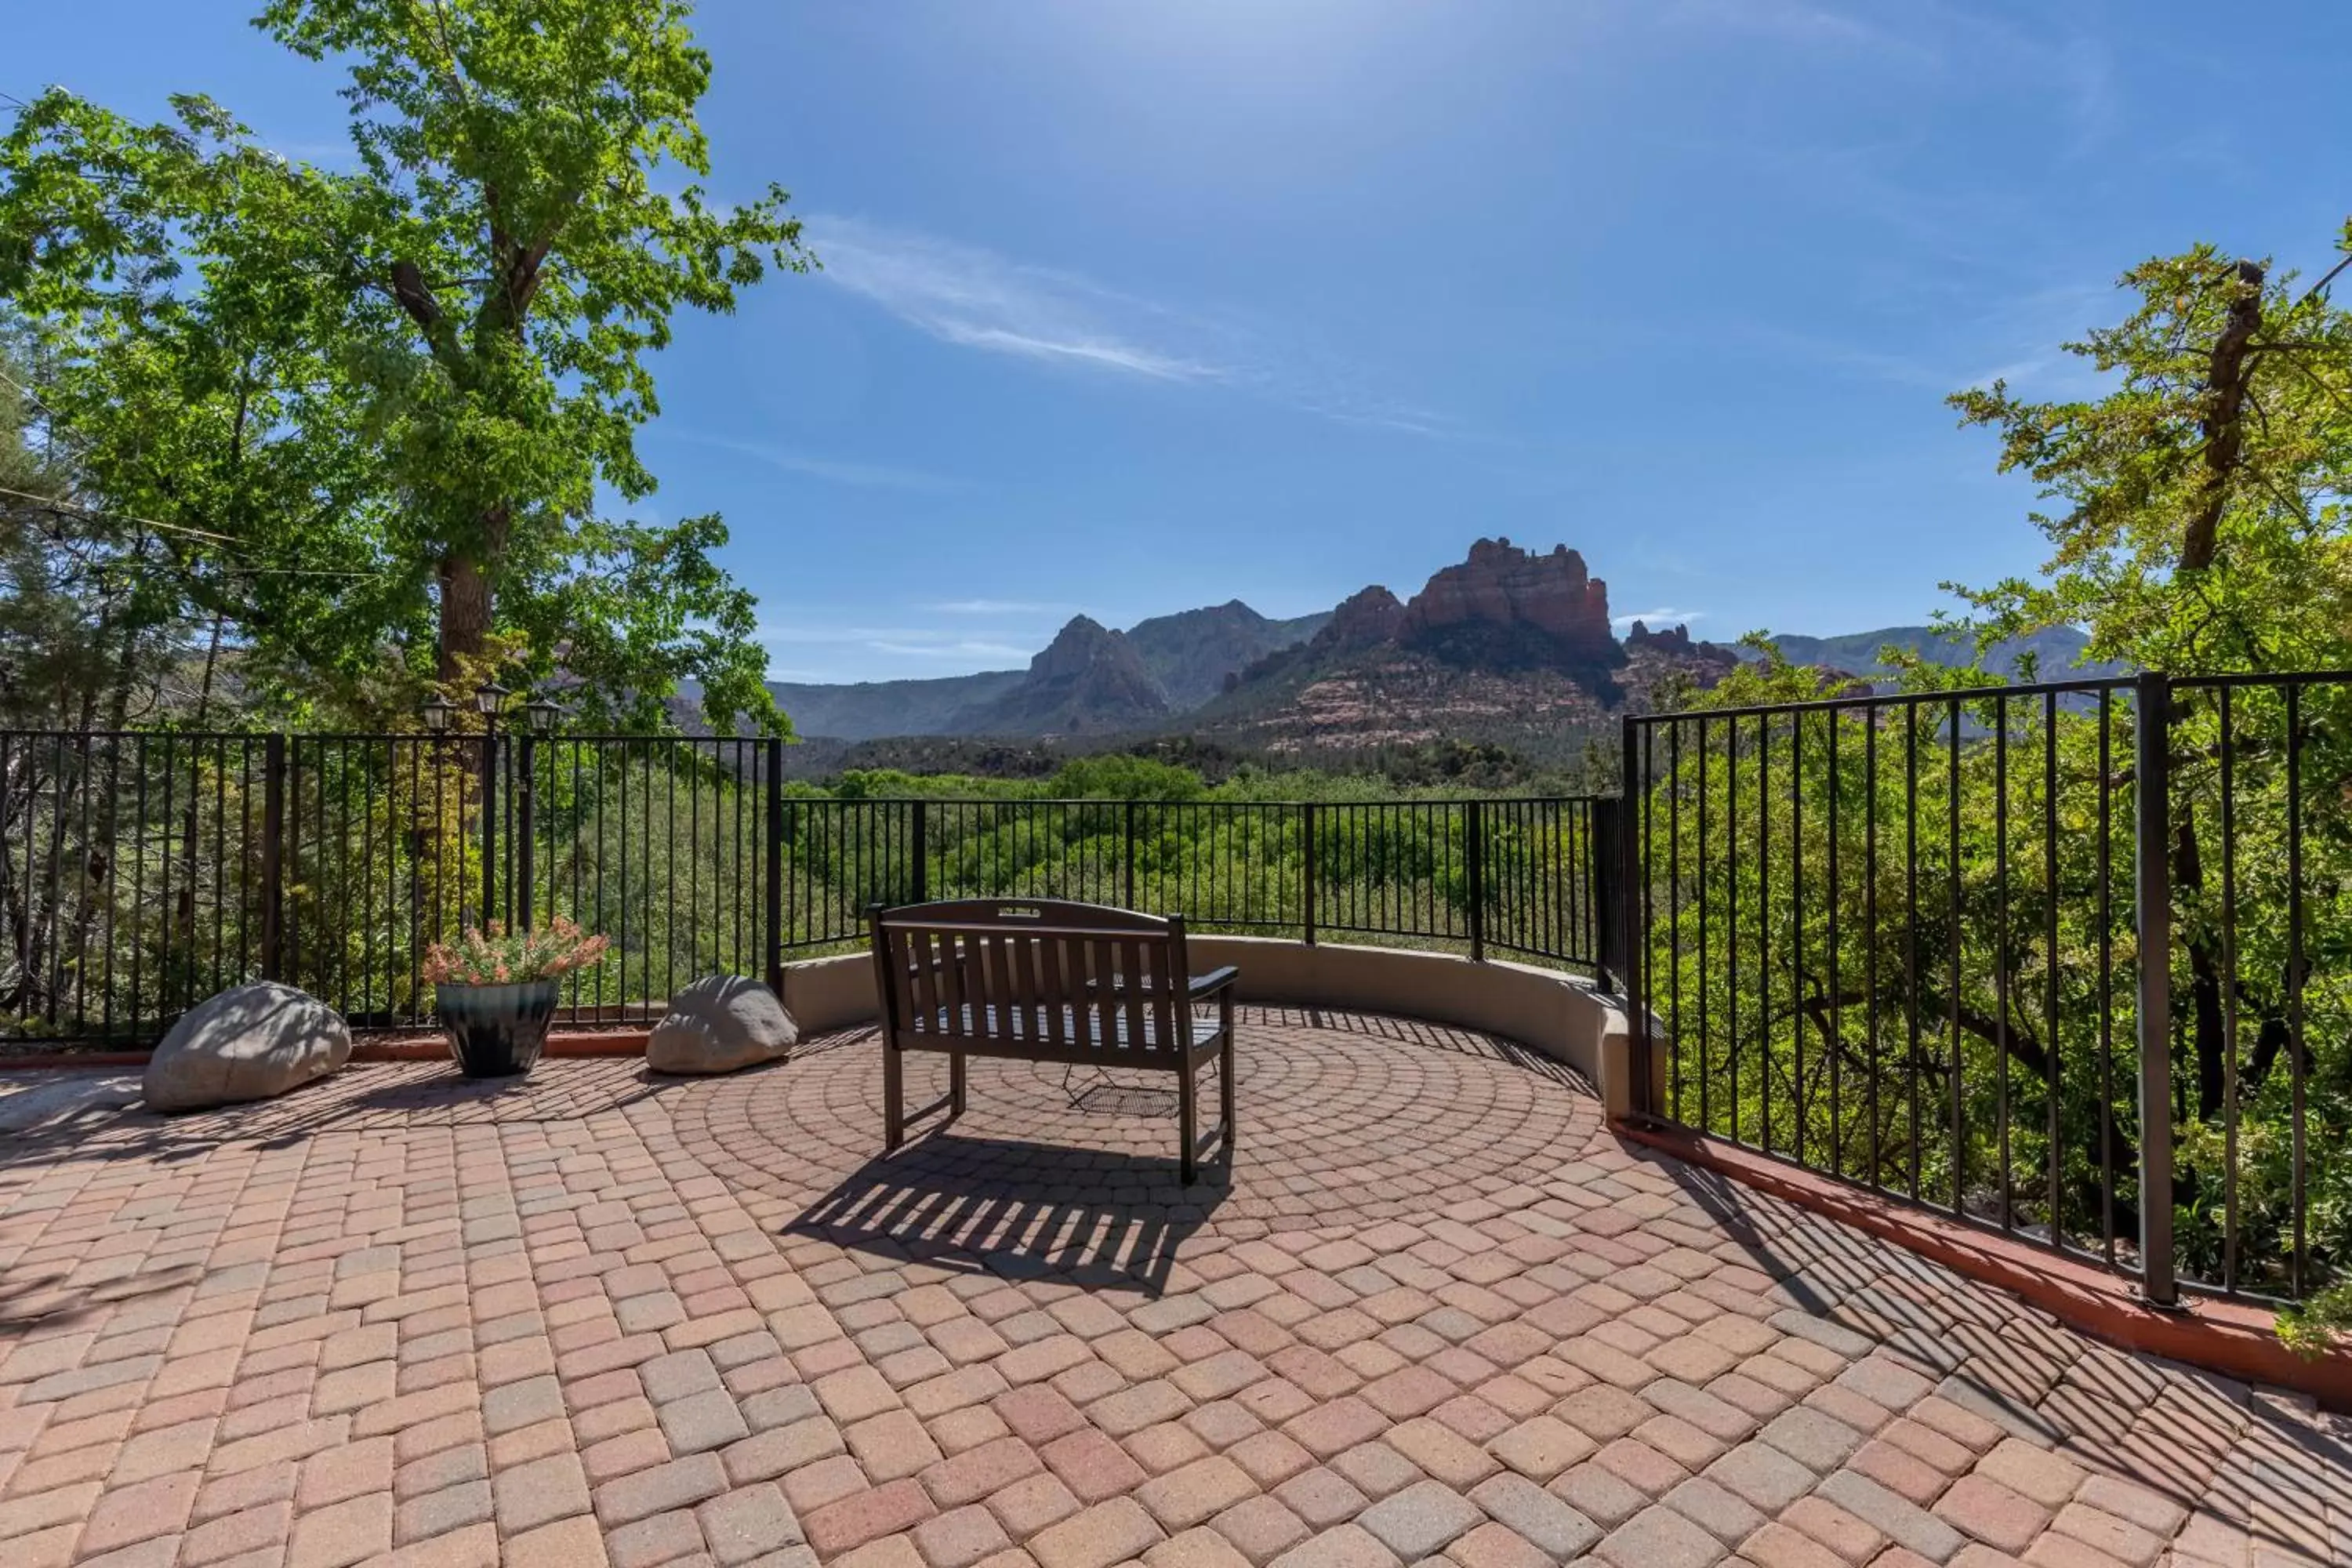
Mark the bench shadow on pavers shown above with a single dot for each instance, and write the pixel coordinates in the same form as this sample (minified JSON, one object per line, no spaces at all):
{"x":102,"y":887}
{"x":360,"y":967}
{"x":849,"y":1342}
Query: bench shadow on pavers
{"x":1022,"y":1210}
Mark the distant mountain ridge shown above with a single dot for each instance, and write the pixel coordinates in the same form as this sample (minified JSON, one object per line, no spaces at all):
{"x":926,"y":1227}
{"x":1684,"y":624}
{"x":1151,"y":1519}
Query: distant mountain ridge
{"x":1090,"y":680}
{"x":1507,"y":646}
{"x":1190,"y":653}
{"x":872,"y":709}
{"x":2056,"y":652}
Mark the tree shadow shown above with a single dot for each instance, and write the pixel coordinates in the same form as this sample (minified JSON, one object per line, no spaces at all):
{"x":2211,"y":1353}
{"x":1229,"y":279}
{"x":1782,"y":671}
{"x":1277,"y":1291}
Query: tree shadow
{"x":49,"y":1300}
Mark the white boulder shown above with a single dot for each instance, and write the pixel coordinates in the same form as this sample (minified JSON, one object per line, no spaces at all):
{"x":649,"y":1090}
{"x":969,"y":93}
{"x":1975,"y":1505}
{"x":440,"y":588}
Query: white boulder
{"x":718,"y":1024}
{"x":250,"y":1042}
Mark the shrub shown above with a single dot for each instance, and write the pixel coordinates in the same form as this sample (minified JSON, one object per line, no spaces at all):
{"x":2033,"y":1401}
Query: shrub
{"x":497,"y":956}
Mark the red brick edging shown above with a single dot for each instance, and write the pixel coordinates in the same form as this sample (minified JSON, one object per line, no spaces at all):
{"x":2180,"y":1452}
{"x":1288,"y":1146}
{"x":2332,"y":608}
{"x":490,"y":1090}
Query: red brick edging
{"x":2229,"y":1337}
{"x":417,"y":1049}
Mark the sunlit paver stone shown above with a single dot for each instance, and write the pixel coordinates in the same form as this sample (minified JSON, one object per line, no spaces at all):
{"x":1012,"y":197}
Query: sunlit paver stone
{"x":1430,"y":1310}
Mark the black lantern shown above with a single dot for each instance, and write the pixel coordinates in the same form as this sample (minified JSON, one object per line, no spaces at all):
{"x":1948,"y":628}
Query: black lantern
{"x":542,"y":714}
{"x":437,"y":709}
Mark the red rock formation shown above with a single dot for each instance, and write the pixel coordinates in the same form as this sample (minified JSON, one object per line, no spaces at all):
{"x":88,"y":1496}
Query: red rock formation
{"x":1363,"y":619}
{"x":1502,"y":586}
{"x":1706,"y":662}
{"x":1675,"y":640}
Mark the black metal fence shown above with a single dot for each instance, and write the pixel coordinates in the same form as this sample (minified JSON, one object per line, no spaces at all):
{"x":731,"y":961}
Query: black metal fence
{"x":141,"y":873}
{"x":2068,"y":961}
{"x":1900,"y":940}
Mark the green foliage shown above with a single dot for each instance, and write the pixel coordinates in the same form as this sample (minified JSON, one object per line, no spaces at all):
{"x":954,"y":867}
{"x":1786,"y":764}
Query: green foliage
{"x":74,"y":630}
{"x":1947,"y":1012}
{"x":2200,"y":524}
{"x":1116,"y":777}
{"x":354,"y":404}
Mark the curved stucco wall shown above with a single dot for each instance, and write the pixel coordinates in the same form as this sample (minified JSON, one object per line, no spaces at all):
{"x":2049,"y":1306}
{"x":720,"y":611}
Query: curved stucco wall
{"x":1562,"y":1016}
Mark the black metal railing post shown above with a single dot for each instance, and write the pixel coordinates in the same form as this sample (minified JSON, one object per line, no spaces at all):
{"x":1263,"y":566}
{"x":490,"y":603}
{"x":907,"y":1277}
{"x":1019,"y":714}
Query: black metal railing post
{"x":489,"y":808}
{"x":2152,"y":919}
{"x":273,"y":857}
{"x":1307,"y":901}
{"x":1601,"y":854}
{"x":772,"y":788}
{"x":1633,"y":938}
{"x":1475,"y":869}
{"x":919,"y":829}
{"x":1127,"y":859}
{"x":526,"y":813}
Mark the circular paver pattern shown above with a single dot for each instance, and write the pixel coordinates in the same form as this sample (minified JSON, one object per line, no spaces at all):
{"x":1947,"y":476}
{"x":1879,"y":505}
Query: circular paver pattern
{"x":1343,"y":1118}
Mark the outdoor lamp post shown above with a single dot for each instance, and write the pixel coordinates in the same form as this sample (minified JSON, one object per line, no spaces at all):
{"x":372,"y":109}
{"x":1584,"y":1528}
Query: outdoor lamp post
{"x":540,"y":716}
{"x":490,"y":697}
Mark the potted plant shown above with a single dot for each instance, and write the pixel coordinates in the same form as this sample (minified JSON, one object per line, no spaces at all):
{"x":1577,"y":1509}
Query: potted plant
{"x":495,"y":991}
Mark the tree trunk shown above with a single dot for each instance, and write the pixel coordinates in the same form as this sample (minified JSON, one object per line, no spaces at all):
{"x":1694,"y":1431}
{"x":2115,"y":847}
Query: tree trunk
{"x":2223,"y":428}
{"x":2204,"y":972}
{"x":2223,"y":431}
{"x":464,"y":613}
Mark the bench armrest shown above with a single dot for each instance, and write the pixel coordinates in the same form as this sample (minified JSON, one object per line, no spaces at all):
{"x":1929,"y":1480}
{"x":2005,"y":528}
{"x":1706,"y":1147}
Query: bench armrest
{"x":1209,"y":984}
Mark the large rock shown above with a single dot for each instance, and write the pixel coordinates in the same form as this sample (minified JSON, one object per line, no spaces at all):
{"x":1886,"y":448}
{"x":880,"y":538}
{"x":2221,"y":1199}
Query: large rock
{"x":250,"y":1042}
{"x":718,"y":1024}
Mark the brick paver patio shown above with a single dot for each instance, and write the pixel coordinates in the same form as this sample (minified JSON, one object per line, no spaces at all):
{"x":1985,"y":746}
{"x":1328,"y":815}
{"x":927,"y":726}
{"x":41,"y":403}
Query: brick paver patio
{"x":1432,"y":1310}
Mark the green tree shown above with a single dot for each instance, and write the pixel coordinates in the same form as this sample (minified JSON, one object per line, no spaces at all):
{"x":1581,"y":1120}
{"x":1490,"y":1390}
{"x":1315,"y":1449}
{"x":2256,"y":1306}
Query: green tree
{"x":381,"y":404}
{"x":84,"y":639}
{"x":2204,"y":531}
{"x":2195,"y":508}
{"x":2200,"y":525}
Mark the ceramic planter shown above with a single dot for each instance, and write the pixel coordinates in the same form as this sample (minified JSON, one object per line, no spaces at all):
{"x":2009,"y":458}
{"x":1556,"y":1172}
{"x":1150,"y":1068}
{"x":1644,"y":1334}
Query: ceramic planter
{"x":496,"y":1031}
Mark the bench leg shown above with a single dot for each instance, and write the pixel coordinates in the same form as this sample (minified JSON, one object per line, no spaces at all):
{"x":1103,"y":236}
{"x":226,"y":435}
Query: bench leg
{"x":955,"y":1085}
{"x":1184,"y":1121}
{"x":894,"y":1108}
{"x":1225,"y":1082}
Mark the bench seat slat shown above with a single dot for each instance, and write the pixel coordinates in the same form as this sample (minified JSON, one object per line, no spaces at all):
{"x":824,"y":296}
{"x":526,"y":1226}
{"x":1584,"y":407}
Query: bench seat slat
{"x":943,"y":1030}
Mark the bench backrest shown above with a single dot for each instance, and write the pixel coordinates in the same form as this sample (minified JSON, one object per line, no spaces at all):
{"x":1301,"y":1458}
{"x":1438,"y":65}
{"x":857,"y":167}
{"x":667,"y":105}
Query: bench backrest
{"x":1022,"y":976}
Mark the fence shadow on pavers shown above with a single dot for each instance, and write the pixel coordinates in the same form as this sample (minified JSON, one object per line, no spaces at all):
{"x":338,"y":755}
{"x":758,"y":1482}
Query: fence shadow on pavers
{"x":1023,"y":1210}
{"x":2267,"y":1464}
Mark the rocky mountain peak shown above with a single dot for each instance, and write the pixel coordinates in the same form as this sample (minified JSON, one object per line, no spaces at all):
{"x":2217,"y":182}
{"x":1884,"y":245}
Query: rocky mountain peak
{"x":1076,"y":648}
{"x":1088,"y":678}
{"x":1364,"y":618}
{"x":1501,"y":585}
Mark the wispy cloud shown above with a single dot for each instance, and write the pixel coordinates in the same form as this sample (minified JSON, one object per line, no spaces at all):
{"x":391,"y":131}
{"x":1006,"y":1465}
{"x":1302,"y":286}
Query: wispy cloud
{"x":862,"y":476}
{"x":996,"y":607}
{"x":1664,"y":616}
{"x":856,"y":645}
{"x":968,"y":648}
{"x":2019,"y":339}
{"x":1791,"y":20}
{"x":976,"y":298}
{"x":2071,"y":72}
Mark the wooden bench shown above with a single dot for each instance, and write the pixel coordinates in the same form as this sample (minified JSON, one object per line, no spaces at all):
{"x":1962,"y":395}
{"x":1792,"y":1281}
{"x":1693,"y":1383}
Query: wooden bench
{"x":1045,"y":981}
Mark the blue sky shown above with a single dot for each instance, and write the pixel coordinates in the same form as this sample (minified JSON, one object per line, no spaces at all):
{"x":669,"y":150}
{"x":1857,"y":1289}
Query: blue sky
{"x":1133,"y":308}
